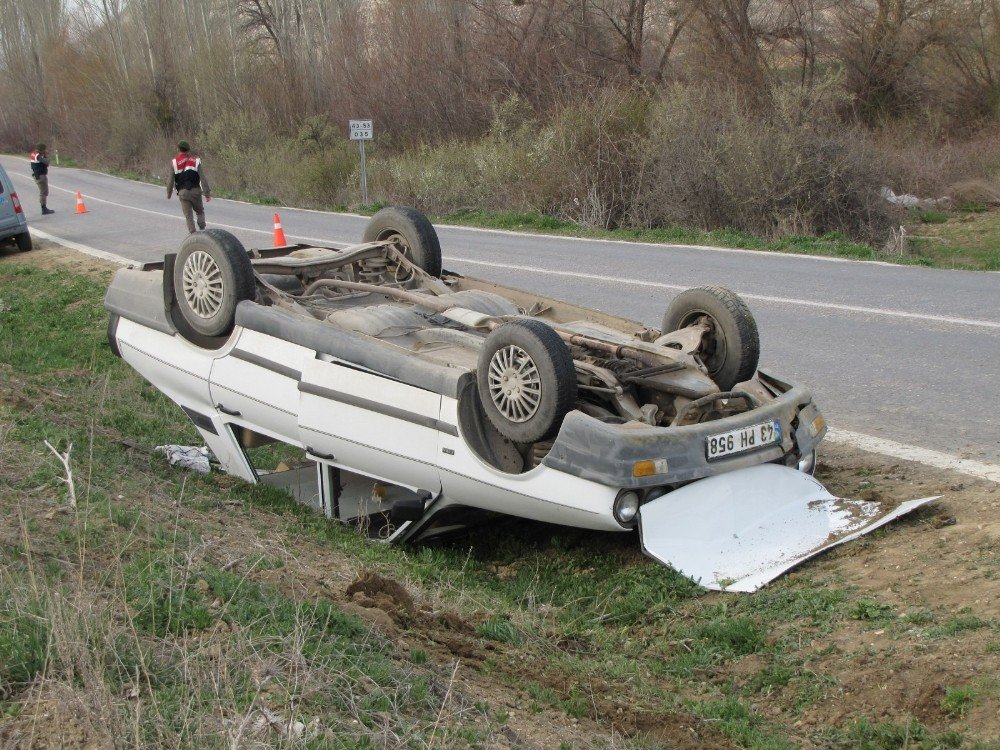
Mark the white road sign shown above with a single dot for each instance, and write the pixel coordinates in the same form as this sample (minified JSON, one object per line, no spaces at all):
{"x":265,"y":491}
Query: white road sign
{"x":361,"y":130}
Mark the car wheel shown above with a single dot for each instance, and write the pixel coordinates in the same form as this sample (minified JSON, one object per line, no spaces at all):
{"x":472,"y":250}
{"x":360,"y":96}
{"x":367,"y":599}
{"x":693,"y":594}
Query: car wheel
{"x":526,"y":380}
{"x":411,"y":231}
{"x":732,"y":348}
{"x":23,"y":241}
{"x":212,"y":275}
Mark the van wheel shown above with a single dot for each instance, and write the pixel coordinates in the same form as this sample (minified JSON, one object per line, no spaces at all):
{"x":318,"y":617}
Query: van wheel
{"x":411,"y":231}
{"x":212,"y":275}
{"x":23,"y":241}
{"x":731,"y":349}
{"x":526,"y":380}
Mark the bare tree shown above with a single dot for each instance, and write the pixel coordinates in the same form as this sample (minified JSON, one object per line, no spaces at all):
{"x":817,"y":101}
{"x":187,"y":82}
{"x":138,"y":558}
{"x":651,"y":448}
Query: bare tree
{"x":972,"y":80}
{"x":879,"y":45}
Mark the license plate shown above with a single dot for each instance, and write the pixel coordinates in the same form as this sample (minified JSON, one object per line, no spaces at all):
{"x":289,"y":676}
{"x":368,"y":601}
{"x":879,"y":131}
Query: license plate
{"x":743,"y":439}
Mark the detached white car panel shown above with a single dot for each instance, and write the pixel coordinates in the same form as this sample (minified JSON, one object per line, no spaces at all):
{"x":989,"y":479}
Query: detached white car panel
{"x":753,"y":524}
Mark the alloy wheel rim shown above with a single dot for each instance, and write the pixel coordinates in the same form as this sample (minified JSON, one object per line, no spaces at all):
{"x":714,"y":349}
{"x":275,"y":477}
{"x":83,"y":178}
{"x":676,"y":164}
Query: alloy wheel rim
{"x":514,"y":383}
{"x":202,"y":284}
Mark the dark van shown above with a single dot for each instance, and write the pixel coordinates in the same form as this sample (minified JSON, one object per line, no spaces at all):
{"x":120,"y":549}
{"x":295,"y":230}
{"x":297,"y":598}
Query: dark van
{"x":13,"y":225}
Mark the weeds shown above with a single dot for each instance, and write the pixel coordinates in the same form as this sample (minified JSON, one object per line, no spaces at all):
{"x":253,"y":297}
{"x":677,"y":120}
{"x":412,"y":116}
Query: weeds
{"x":957,"y":625}
{"x":500,"y":629}
{"x":863,"y":735}
{"x":958,"y":700}
{"x":171,"y":609}
{"x":871,"y":611}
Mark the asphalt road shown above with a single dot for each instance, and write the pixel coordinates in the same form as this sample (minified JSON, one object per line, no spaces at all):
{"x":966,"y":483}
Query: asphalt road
{"x":905,"y":354}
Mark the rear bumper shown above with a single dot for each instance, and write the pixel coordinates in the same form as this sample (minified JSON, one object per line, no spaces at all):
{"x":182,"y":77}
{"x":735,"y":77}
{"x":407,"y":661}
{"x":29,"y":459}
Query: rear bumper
{"x":11,"y":228}
{"x":591,"y":449}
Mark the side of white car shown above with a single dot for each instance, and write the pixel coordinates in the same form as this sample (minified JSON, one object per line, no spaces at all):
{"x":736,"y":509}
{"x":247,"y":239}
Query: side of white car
{"x":346,"y":418}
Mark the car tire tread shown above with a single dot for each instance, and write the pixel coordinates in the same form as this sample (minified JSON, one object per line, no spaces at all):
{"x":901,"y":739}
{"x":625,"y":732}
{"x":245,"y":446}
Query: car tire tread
{"x":737,"y":325}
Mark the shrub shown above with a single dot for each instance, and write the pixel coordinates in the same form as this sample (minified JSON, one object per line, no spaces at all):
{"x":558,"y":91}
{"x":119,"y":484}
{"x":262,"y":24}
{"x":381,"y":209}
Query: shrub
{"x":627,"y":159}
{"x":796,"y":170}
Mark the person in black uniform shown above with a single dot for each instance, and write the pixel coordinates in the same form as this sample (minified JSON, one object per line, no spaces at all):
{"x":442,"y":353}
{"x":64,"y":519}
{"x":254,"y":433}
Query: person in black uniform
{"x":189,"y":180}
{"x":40,"y":171}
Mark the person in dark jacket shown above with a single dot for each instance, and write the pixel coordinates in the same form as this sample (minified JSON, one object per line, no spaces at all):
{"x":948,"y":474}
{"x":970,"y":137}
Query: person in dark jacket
{"x":190,"y":182}
{"x":40,"y":171}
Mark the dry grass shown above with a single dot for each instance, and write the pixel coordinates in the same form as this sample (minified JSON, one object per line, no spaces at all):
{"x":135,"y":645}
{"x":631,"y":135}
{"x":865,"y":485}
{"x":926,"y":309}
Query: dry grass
{"x":176,"y":610}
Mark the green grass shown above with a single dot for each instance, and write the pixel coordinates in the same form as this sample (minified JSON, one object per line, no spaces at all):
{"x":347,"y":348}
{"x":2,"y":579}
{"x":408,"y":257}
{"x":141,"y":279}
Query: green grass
{"x":959,"y":624}
{"x":958,"y":700}
{"x":741,"y":724}
{"x":959,"y":239}
{"x":912,"y":735}
{"x":832,"y":244}
{"x":500,"y":629}
{"x":586,"y":610}
{"x":24,"y":641}
{"x":871,"y":611}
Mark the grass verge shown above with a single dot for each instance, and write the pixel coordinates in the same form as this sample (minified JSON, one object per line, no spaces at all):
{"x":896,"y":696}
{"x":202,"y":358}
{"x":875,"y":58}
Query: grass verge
{"x":181,"y":610}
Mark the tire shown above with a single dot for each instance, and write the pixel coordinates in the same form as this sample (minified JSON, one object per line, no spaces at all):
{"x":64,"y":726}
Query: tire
{"x":733,"y":349}
{"x":23,"y":241}
{"x":532,"y":353}
{"x":412,"y":231}
{"x":212,"y":275}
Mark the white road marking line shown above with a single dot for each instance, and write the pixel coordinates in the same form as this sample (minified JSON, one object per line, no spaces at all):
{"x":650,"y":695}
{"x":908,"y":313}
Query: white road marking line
{"x":536,"y":235}
{"x":85,"y":249}
{"x":672,"y":245}
{"x":633,"y":282}
{"x":745,"y":295}
{"x":155,"y":213}
{"x":978,"y":469}
{"x":181,"y":218}
{"x":858,"y":440}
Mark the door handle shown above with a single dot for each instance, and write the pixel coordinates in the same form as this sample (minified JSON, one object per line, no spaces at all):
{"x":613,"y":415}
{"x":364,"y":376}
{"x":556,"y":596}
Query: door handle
{"x":230,"y":412}
{"x":324,"y":456}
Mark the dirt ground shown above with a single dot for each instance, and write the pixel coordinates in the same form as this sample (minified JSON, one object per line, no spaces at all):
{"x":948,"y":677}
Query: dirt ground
{"x":942,"y":559}
{"x":51,"y":256}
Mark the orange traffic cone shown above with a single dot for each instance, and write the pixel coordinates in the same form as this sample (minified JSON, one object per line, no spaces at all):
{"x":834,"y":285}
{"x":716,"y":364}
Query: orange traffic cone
{"x":80,"y":208}
{"x":279,"y":233}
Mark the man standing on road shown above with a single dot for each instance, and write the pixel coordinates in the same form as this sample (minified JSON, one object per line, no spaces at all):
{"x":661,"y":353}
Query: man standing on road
{"x":191,"y":184}
{"x":40,"y":171}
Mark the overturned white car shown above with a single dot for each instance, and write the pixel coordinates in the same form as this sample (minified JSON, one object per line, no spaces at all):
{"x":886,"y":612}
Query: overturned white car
{"x":422,"y":399}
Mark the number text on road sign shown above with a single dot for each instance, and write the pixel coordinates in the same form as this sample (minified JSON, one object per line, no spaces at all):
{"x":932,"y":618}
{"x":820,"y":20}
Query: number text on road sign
{"x":361,"y":130}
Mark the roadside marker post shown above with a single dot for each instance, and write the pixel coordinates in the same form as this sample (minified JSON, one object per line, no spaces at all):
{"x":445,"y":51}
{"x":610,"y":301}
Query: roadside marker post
{"x":361,"y":131}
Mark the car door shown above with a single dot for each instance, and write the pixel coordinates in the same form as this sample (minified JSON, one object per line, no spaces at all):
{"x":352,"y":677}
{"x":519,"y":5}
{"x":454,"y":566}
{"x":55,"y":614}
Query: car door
{"x":364,"y":422}
{"x":256,"y":384}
